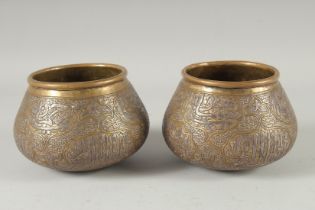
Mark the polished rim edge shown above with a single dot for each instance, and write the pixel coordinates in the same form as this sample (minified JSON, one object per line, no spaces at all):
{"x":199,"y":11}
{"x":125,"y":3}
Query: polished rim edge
{"x":77,"y":85}
{"x":229,"y":91}
{"x":81,"y":93}
{"x":231,"y":84}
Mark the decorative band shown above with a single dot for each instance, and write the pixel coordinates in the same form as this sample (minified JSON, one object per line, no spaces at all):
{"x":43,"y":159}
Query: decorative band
{"x":79,"y":93}
{"x":228,"y":91}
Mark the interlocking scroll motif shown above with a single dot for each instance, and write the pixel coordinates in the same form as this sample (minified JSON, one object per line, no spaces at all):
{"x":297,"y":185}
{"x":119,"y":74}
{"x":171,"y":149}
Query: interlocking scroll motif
{"x":81,"y":134}
{"x":227,"y":131}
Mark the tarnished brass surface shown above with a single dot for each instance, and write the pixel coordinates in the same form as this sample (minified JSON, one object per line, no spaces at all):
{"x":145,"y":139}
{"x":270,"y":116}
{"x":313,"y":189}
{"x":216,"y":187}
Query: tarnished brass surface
{"x":230,"y":115}
{"x":80,"y":117}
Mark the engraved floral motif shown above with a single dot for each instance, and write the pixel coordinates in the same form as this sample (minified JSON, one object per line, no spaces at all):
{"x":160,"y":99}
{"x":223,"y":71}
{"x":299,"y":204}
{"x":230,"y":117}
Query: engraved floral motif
{"x":229,"y":131}
{"x":81,"y":134}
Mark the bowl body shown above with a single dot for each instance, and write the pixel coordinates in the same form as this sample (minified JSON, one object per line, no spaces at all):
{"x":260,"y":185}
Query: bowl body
{"x":229,"y":125}
{"x":70,"y":128}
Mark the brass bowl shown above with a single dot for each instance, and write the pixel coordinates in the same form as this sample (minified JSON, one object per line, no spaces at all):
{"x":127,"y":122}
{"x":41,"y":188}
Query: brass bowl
{"x":80,"y":117}
{"x":230,"y":115}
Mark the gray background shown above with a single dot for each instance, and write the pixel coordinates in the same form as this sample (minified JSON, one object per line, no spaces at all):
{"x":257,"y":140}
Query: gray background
{"x":154,"y":40}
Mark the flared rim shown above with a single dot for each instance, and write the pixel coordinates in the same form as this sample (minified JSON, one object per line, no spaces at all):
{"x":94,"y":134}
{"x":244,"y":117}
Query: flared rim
{"x":120,"y":75}
{"x":272,"y":72}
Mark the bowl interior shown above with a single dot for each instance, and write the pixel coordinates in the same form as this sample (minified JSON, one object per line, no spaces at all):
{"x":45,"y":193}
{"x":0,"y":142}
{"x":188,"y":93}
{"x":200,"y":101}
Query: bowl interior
{"x":77,"y":74}
{"x":232,"y":72}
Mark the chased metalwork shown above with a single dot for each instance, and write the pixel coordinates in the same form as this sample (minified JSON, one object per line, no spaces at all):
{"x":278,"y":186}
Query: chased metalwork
{"x":78,"y":134}
{"x":221,"y":129}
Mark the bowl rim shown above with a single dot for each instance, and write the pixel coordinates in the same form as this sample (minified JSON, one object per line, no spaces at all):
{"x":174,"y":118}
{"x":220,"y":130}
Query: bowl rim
{"x":232,"y":84}
{"x":77,"y":85}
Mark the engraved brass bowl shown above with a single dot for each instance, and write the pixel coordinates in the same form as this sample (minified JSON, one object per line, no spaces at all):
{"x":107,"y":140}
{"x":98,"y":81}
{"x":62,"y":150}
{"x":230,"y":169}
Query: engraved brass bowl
{"x":230,"y":115}
{"x":80,"y":117}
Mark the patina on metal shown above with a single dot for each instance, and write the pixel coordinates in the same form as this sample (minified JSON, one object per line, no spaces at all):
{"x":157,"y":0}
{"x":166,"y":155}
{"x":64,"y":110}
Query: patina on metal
{"x":230,"y":115}
{"x":80,"y":117}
